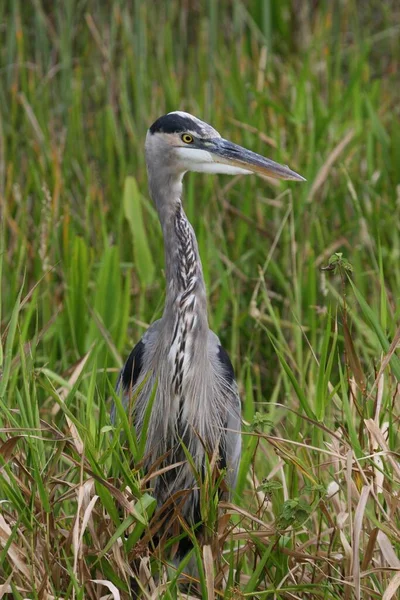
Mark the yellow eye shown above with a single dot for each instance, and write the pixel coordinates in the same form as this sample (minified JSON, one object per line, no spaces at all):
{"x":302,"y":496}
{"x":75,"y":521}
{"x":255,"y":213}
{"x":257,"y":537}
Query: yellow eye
{"x":187,"y":138}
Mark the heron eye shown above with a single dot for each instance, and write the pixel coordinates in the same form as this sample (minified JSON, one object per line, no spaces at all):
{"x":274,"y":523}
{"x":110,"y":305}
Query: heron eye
{"x":187,"y":138}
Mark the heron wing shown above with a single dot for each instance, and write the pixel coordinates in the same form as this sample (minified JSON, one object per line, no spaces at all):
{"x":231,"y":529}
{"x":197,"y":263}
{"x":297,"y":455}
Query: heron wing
{"x":132,"y":368}
{"x":231,"y":448}
{"x":135,"y":365}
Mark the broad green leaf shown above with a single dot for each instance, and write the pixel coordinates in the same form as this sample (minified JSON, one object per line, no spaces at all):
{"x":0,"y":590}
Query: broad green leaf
{"x":134,"y":215}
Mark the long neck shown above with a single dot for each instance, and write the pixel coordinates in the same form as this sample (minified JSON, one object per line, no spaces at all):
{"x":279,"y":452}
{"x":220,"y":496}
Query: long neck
{"x":186,"y":294}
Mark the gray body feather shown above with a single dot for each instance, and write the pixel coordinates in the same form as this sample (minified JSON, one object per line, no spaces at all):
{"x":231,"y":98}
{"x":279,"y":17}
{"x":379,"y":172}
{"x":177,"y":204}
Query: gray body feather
{"x":196,"y":397}
{"x":205,"y":414}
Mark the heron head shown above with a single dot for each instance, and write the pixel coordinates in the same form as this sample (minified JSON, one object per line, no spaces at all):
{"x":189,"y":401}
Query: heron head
{"x":185,"y":143}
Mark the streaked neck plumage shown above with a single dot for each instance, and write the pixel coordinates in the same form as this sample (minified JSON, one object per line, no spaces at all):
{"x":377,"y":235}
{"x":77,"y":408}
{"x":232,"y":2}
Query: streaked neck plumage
{"x":186,"y":294}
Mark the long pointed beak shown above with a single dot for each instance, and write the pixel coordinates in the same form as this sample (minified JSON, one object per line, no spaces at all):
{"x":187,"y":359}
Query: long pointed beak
{"x":225,"y":152}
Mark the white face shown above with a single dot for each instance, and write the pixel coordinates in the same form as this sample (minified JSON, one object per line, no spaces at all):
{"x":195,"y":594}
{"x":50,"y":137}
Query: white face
{"x":202,"y":161}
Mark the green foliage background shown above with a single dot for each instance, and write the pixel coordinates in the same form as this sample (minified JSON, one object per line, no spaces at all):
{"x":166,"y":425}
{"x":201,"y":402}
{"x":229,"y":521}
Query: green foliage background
{"x":309,"y":84}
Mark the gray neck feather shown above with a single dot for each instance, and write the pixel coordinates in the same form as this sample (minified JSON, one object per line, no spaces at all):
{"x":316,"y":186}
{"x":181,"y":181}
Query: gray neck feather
{"x":186,"y":293}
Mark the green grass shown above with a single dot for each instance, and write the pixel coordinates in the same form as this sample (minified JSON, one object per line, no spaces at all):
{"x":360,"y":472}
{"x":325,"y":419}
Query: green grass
{"x":315,"y":351}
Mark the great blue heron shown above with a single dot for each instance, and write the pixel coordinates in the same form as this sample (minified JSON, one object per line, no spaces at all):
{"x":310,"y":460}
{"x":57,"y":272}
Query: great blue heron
{"x":182,"y":362}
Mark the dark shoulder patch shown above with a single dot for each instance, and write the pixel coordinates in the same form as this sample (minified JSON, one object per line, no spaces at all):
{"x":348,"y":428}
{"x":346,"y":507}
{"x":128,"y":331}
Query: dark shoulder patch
{"x":173,"y":123}
{"x":133,"y":366}
{"x":225,"y":361}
